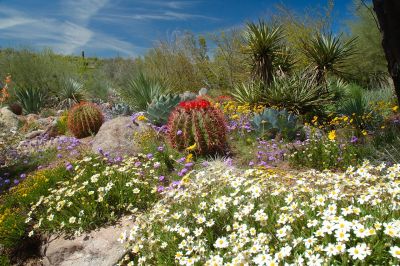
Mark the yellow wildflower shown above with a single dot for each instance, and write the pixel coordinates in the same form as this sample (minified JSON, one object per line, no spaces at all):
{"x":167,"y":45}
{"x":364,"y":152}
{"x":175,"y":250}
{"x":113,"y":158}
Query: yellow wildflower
{"x":141,"y":118}
{"x":332,"y":135}
{"x":364,"y":132}
{"x":189,"y":158}
{"x":395,"y":108}
{"x":191,"y":148}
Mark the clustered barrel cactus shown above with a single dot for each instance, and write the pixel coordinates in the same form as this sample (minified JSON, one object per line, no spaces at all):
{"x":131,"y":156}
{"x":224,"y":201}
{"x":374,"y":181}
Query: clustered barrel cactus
{"x":198,"y":127}
{"x":84,"y":119}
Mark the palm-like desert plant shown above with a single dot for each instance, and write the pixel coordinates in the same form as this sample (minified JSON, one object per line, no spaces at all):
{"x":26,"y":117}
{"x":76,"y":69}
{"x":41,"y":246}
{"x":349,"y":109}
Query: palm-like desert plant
{"x":298,"y":93}
{"x":71,"y":93}
{"x":263,"y":42}
{"x":251,"y":93}
{"x":327,"y":54}
{"x":140,"y":91}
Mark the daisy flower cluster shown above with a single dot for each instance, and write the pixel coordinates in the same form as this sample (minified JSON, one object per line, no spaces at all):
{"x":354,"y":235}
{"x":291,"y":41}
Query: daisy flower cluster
{"x":98,"y":191}
{"x":226,"y":216}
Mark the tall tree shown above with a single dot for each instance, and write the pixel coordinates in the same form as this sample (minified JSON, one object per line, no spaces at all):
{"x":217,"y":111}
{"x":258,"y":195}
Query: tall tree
{"x":388,"y":13}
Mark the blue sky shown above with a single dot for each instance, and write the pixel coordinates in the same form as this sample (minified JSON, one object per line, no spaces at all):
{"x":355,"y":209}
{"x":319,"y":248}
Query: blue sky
{"x":108,"y":28}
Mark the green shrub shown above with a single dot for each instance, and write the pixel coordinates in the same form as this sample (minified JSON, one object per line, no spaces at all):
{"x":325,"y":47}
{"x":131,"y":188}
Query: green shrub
{"x":84,"y":119}
{"x":324,"y":154}
{"x":31,"y":99}
{"x":140,"y":91}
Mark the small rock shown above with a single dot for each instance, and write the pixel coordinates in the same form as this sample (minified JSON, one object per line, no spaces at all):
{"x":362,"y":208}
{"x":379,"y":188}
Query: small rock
{"x":203,"y":91}
{"x":34,"y":134}
{"x":8,"y":119}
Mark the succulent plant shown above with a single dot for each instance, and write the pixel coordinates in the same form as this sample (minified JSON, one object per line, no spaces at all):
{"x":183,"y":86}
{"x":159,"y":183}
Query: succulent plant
{"x":161,"y":107}
{"x":84,"y":119}
{"x":121,"y":109}
{"x":273,"y":123}
{"x":198,"y":127}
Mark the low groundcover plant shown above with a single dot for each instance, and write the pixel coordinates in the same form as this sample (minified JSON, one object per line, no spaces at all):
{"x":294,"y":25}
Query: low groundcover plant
{"x":225,"y":216}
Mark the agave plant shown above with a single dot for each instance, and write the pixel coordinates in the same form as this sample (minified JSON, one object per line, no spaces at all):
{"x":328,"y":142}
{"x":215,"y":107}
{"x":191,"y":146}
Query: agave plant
{"x":262,"y":44}
{"x":327,"y":54}
{"x":251,"y":93}
{"x":32,"y":100}
{"x":140,"y":91}
{"x":71,"y":93}
{"x":298,"y":93}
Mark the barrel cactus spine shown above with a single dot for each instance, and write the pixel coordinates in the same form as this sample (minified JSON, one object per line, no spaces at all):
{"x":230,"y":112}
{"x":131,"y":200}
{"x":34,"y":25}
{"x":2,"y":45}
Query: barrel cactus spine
{"x":198,"y":125}
{"x":84,"y":119}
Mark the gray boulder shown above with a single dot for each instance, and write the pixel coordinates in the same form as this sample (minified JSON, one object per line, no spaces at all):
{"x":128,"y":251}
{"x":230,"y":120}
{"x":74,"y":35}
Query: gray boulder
{"x":118,"y":136}
{"x":8,"y":119}
{"x":99,"y":247}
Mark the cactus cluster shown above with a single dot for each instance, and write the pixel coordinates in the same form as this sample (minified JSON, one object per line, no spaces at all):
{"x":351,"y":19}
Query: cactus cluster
{"x":84,"y":119}
{"x":199,"y":127}
{"x":161,"y":107}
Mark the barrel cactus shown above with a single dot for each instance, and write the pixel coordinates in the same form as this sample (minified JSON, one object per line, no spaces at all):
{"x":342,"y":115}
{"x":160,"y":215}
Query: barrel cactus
{"x":161,"y":107}
{"x":84,"y":119}
{"x":198,"y":127}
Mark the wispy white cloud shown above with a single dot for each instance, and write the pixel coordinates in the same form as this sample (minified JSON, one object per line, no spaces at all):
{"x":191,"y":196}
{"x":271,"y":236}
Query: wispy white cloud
{"x":82,"y":10}
{"x":166,"y":15}
{"x":6,"y":23}
{"x":170,"y":4}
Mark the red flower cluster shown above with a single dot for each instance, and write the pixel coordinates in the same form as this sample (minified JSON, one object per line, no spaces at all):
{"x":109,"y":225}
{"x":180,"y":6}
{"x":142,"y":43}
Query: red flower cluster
{"x":195,"y":104}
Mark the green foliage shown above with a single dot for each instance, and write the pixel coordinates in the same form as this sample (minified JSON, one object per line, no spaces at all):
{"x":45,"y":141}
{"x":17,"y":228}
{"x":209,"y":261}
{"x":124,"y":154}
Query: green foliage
{"x":263,"y":44}
{"x":297,"y":93}
{"x":84,"y":119}
{"x":71,"y":93}
{"x":44,"y":70}
{"x":369,"y":66}
{"x":272,"y":123}
{"x":198,"y":127}
{"x":251,"y":93}
{"x":324,"y":154}
{"x":121,"y":109}
{"x":62,"y":124}
{"x":160,"y":108}
{"x":140,"y":91}
{"x":31,"y":99}
{"x":328,"y":54}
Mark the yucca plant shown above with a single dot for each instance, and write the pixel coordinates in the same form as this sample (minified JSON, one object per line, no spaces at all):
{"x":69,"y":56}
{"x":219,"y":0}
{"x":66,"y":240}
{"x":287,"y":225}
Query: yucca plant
{"x":32,"y":100}
{"x":71,"y":92}
{"x":298,"y":93}
{"x":263,"y":42}
{"x":328,"y":54}
{"x":140,"y":91}
{"x":251,"y":93}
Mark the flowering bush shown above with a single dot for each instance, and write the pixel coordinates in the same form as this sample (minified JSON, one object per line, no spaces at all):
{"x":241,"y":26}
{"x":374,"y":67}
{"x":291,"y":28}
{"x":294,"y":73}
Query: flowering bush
{"x":228,"y":217}
{"x":327,"y":153}
{"x":98,"y":192}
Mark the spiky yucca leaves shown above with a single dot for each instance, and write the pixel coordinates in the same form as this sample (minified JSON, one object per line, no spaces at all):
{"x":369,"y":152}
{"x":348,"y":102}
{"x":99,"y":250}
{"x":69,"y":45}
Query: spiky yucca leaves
{"x":251,"y":93}
{"x":298,"y":93}
{"x":84,"y":119}
{"x":31,"y":99}
{"x":161,"y":107}
{"x":328,"y":54}
{"x":71,"y":92}
{"x":140,"y":91}
{"x":198,"y":127}
{"x":262,"y":44}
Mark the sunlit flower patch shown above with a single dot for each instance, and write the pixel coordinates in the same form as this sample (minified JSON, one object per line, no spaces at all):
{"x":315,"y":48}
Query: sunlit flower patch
{"x":229,"y":217}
